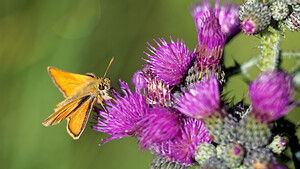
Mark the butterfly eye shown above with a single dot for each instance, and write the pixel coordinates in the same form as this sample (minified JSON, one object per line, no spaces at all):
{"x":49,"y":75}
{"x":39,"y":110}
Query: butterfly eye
{"x":101,"y":87}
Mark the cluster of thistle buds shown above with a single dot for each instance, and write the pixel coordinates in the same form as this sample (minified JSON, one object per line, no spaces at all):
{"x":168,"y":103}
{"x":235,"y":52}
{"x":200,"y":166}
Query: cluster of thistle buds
{"x":257,"y":15}
{"x":177,"y":110}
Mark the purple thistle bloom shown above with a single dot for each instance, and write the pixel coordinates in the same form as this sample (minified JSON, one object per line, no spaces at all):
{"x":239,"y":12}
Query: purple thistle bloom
{"x":124,"y":113}
{"x":211,"y":42}
{"x":182,"y":148}
{"x":226,"y":15}
{"x":159,"y":125}
{"x":170,"y":61}
{"x":270,"y":95}
{"x":200,"y":101}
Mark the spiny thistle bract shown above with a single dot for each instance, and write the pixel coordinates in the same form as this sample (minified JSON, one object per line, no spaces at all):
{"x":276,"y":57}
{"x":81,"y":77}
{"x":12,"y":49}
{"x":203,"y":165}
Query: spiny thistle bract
{"x":177,"y":110}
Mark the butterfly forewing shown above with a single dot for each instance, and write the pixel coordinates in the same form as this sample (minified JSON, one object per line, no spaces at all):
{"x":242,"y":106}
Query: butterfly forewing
{"x":69,"y":83}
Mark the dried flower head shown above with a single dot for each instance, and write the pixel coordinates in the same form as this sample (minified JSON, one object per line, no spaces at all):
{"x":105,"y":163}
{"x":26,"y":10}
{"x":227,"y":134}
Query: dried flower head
{"x":211,"y":43}
{"x":159,"y":93}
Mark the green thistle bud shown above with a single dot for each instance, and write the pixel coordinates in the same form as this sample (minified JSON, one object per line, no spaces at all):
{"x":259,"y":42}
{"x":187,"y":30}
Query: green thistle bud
{"x":222,"y":129}
{"x":254,"y":17}
{"x":233,"y":155}
{"x":253,"y":133}
{"x":205,"y":151}
{"x":213,"y":163}
{"x":280,"y":10}
{"x":278,"y":144}
{"x":162,"y":163}
{"x":293,"y":21}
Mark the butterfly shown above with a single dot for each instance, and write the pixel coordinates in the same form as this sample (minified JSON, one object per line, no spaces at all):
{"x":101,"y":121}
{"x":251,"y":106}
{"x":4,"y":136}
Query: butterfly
{"x":81,"y":93}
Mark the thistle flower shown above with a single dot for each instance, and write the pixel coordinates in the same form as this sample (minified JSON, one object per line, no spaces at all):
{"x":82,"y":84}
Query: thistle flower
{"x":255,"y":17}
{"x":226,"y":15}
{"x":270,"y":95}
{"x":159,"y":125}
{"x":170,"y":61}
{"x":182,"y":148}
{"x":211,"y":43}
{"x":200,"y":101}
{"x":124,"y":113}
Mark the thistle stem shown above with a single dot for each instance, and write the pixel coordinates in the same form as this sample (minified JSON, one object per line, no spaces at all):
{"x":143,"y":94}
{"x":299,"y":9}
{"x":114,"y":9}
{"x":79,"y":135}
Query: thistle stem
{"x":270,"y":42}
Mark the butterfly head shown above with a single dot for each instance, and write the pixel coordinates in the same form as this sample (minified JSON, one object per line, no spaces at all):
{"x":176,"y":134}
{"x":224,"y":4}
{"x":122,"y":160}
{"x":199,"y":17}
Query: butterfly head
{"x":104,"y":84}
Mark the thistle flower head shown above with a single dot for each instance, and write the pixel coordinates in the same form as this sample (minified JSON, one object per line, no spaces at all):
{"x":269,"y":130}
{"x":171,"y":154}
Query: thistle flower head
{"x":270,"y":95}
{"x":200,"y":101}
{"x":182,"y":148}
{"x":226,"y":15}
{"x":211,"y":42}
{"x":159,"y":125}
{"x":124,"y":113}
{"x":170,"y":61}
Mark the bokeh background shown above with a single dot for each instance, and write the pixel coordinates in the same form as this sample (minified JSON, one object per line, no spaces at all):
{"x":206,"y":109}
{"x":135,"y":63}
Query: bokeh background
{"x":82,"y":36}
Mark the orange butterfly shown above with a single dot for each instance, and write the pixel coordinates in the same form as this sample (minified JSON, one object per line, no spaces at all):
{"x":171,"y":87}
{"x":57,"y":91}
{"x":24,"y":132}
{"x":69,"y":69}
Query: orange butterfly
{"x":81,"y":92}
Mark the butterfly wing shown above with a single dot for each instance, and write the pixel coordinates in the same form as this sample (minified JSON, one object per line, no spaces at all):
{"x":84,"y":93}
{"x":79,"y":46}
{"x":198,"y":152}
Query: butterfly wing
{"x":77,"y":120}
{"x":69,"y":83}
{"x":61,"y":113}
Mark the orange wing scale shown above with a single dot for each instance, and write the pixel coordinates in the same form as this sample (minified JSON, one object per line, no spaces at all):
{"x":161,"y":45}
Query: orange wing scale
{"x":69,"y":83}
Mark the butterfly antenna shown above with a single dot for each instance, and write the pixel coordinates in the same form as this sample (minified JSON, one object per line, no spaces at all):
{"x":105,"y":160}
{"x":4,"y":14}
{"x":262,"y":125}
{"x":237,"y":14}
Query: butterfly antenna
{"x":111,"y":60}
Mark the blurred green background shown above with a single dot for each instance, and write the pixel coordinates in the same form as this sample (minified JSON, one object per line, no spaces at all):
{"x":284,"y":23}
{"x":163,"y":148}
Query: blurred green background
{"x":82,"y":36}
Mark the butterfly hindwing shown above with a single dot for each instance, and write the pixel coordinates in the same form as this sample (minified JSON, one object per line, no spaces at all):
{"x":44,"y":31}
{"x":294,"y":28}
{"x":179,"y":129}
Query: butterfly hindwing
{"x":69,"y":83}
{"x":61,"y":113}
{"x":77,"y":120}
